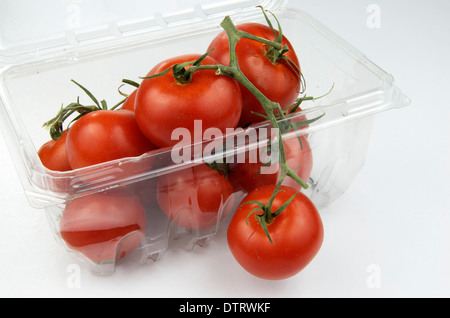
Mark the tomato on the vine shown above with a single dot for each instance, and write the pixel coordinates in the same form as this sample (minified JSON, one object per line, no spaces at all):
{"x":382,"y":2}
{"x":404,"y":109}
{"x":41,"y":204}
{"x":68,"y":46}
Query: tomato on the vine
{"x":103,"y":226}
{"x":105,"y":135}
{"x":296,"y":234}
{"x":279,"y":80}
{"x":166,"y":103}
{"x":53,"y":154}
{"x":194,"y":197}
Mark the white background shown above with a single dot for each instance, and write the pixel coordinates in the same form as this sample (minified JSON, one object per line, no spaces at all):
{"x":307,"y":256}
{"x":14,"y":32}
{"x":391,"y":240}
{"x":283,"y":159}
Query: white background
{"x":393,"y":222}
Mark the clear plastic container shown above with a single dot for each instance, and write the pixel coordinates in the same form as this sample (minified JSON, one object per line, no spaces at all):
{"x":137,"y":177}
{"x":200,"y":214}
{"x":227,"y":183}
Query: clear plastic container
{"x":98,"y":43}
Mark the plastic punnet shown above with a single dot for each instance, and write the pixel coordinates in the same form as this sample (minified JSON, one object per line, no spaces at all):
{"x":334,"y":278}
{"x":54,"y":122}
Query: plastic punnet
{"x":36,"y":68}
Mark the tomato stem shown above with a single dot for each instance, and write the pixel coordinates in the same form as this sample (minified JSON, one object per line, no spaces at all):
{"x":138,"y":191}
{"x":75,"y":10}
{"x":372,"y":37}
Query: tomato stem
{"x":275,"y":52}
{"x":234,"y":35}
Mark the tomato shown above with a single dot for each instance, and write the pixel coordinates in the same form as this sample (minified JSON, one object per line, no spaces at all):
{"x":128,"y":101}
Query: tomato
{"x":164,"y":104}
{"x":248,"y":175}
{"x":105,"y":135}
{"x":53,"y":154}
{"x":104,"y":226}
{"x":296,"y":233}
{"x":129,"y":102}
{"x":278,"y":81}
{"x":194,"y":197}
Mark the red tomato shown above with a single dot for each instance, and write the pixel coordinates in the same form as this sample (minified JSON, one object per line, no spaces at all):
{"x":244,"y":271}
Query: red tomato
{"x":297,"y":235}
{"x":278,"y":81}
{"x":248,"y":176}
{"x":194,"y":197}
{"x":104,"y":227}
{"x":105,"y":135}
{"x":163,"y":104}
{"x":53,"y":154}
{"x":129,"y":102}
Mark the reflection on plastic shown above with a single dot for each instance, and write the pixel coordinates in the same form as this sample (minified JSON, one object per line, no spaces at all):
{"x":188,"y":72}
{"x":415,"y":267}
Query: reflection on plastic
{"x":104,"y":227}
{"x":194,"y":197}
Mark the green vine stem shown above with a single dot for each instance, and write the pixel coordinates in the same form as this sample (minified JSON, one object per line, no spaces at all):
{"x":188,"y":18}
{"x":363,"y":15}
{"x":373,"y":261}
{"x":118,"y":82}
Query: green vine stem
{"x":234,"y":35}
{"x":55,"y":125}
{"x":183,"y":74}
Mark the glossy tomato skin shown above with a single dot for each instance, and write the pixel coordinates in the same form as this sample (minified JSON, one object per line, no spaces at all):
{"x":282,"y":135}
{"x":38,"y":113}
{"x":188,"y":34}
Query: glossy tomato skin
{"x":129,"y":102}
{"x":104,"y":226}
{"x":105,"y":135}
{"x":53,"y":154}
{"x":163,"y":104}
{"x":194,"y":197}
{"x":297,"y":235}
{"x":248,"y":176}
{"x":279,"y":82}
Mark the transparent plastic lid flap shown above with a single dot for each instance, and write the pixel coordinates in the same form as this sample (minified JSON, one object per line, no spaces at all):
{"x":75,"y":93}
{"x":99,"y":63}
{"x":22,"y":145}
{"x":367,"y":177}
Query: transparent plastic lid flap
{"x":28,"y":26}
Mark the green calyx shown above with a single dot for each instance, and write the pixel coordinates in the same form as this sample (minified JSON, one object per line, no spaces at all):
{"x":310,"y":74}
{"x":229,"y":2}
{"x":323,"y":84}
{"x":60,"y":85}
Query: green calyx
{"x":275,"y":53}
{"x":267,"y":216}
{"x":182,"y":72}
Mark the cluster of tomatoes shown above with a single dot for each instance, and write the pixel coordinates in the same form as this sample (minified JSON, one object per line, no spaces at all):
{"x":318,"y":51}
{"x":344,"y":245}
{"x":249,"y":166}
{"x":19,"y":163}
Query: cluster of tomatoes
{"x":165,"y":100}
